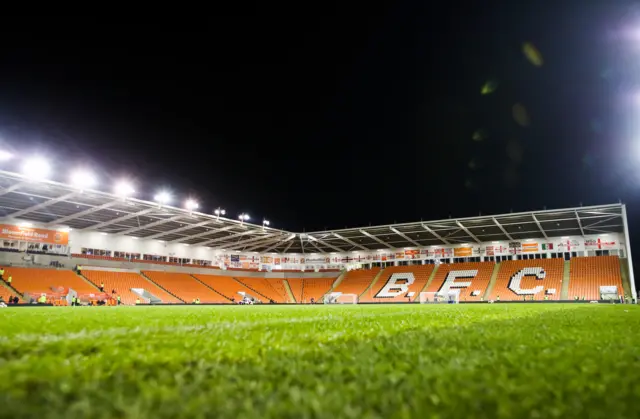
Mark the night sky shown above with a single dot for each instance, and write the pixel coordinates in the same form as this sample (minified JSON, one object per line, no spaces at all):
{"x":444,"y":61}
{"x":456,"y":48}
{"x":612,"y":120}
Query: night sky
{"x":325,"y":119}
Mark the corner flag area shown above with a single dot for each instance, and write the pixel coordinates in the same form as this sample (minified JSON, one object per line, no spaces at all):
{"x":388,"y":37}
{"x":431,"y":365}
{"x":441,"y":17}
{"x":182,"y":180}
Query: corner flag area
{"x":351,"y":361}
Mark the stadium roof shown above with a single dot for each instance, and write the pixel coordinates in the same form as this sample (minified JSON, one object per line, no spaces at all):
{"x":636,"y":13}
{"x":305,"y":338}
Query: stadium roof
{"x":60,"y":205}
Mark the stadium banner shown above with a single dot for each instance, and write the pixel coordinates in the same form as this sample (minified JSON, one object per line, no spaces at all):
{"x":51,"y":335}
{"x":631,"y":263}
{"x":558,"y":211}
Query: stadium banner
{"x":479,"y":251}
{"x":599,"y":244}
{"x":235,"y":258}
{"x":547,"y":246}
{"x":38,"y":235}
{"x":249,"y":265}
{"x":316,"y":260}
{"x":266,"y":259}
{"x":399,"y":255}
{"x":569,"y":245}
{"x":412,"y":254}
{"x":515,"y":248}
{"x":530,"y":247}
{"x":462,"y":251}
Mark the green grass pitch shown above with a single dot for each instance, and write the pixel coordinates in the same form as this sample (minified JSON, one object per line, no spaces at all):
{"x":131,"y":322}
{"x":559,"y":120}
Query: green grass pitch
{"x":440,"y":361}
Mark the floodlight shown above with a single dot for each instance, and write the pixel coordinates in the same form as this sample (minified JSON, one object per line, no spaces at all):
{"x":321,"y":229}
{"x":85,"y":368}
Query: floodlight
{"x":124,"y":188}
{"x":219,"y":212}
{"x":265,"y":222}
{"x":191,"y":204}
{"x":83,"y":179}
{"x":36,"y":168}
{"x":244,"y":217}
{"x":163,"y":197}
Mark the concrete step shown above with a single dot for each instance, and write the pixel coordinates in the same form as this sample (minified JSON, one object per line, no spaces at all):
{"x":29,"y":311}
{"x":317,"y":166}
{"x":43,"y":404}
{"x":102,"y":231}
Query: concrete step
{"x":492,"y":282}
{"x":373,"y":282}
{"x":566,"y":276}
{"x":426,"y":286}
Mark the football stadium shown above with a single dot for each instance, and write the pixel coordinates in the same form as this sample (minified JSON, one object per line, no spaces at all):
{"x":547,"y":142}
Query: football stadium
{"x":119,"y":307}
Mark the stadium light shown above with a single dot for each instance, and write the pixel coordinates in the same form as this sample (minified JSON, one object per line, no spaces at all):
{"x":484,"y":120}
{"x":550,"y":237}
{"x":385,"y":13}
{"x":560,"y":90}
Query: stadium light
{"x":219,"y":211}
{"x":83,"y":179}
{"x":36,"y":168}
{"x":265,"y":222}
{"x":124,"y":189}
{"x":191,"y":204}
{"x":5,"y":155}
{"x":243,"y":217}
{"x":162,"y":197}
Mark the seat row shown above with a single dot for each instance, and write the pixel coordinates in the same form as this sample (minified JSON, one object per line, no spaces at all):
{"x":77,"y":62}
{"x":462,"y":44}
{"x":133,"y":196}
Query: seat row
{"x":514,"y":280}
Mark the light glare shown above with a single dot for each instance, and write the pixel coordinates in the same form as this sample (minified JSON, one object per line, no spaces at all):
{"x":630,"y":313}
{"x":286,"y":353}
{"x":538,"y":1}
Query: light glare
{"x":191,"y":204}
{"x":124,"y":188}
{"x":5,"y":155}
{"x":36,"y":168}
{"x":162,"y":197}
{"x":83,"y":179}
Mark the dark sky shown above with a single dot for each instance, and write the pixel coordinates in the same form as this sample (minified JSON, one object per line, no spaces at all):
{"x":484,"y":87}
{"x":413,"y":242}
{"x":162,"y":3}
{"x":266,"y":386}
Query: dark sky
{"x":339,"y":117}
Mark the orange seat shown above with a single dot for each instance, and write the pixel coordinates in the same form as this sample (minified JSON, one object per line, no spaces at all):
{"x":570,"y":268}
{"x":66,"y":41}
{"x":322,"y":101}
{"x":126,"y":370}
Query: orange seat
{"x":306,"y":289}
{"x":5,"y":293}
{"x":588,"y":274}
{"x":270,"y":288}
{"x":123,"y":282}
{"x":478,"y":283}
{"x":228,"y":287}
{"x":39,"y":280}
{"x":554,"y":271}
{"x":421,"y":275}
{"x":184,"y":286}
{"x":355,"y":282}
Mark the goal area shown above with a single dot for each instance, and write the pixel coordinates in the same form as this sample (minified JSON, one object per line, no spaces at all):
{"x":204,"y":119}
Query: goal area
{"x":340,"y":298}
{"x":450,"y":297}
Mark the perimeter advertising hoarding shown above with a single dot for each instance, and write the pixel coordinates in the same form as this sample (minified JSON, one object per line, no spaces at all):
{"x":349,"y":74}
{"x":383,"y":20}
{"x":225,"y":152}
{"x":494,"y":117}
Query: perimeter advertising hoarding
{"x":37,"y":235}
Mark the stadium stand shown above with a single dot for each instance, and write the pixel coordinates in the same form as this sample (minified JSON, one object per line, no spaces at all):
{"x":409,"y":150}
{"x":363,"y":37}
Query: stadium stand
{"x":421,"y":275}
{"x":305,"y":289}
{"x":356,"y":282}
{"x":123,"y":282}
{"x":272,"y":288}
{"x":184,"y":286}
{"x":5,"y":293}
{"x":38,"y":280}
{"x":478,"y":283}
{"x":553,"y":279}
{"x":589,"y":273}
{"x":228,"y":287}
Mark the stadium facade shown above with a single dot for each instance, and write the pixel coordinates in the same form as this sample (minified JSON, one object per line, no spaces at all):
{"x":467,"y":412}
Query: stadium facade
{"x":49,"y":219}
